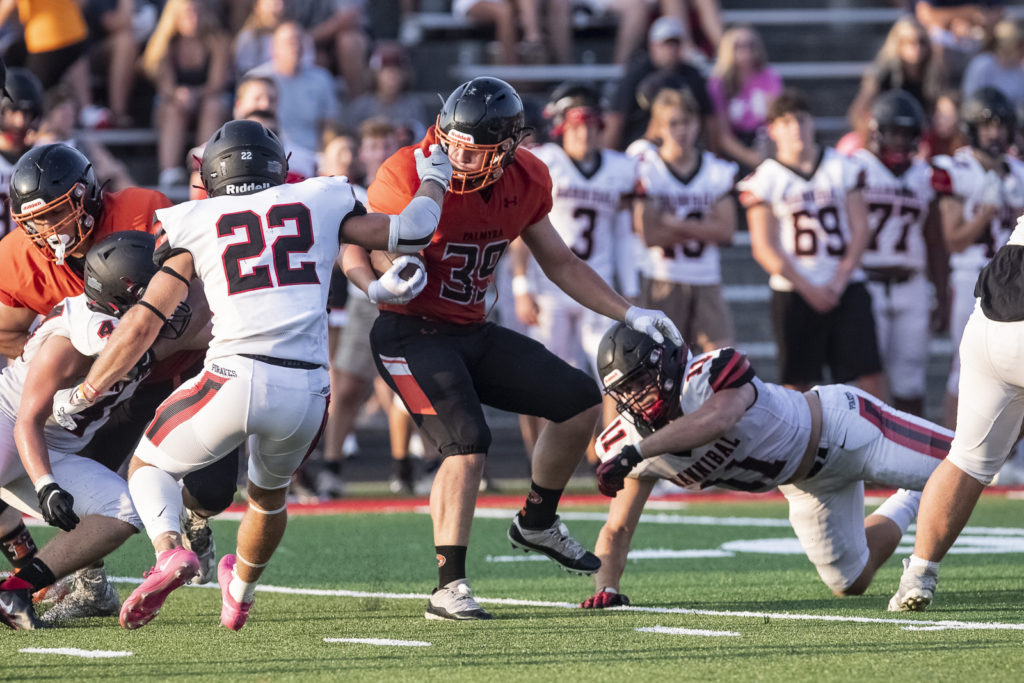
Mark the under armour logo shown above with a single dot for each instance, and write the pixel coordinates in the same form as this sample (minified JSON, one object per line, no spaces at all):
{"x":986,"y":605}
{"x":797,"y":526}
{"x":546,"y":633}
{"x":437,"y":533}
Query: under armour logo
{"x":511,"y":201}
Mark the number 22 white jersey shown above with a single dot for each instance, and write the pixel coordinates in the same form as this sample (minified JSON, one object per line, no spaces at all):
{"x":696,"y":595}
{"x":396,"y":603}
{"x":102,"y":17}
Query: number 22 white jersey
{"x":265,"y":260}
{"x":897,"y":209}
{"x":691,"y":261}
{"x":589,"y":214}
{"x":811,"y":211}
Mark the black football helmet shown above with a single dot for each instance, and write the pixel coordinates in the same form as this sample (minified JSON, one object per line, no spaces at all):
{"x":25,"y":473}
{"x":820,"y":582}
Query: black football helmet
{"x":22,"y":93}
{"x":984,"y":106}
{"x":242,"y":157}
{"x":53,"y":187}
{"x":581,"y":99}
{"x":117,"y":271}
{"x":483,"y":115}
{"x":897,"y":121}
{"x":644,"y":377}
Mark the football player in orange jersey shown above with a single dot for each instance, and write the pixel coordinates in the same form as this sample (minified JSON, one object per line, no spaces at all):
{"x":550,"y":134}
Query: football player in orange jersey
{"x":445,"y":361}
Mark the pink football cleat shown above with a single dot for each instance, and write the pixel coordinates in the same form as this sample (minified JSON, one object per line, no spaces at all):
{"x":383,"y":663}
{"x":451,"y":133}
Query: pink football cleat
{"x":232,"y":612}
{"x":173,"y":569}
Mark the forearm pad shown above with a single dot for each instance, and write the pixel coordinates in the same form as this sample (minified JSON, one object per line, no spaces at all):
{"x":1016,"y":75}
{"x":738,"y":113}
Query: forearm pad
{"x":412,"y":229}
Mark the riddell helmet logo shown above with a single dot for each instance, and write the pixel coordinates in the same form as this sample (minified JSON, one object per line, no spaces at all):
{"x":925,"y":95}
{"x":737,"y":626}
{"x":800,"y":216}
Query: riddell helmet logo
{"x":34,"y":204}
{"x":245,"y":188}
{"x":611,"y":377}
{"x":461,"y":137}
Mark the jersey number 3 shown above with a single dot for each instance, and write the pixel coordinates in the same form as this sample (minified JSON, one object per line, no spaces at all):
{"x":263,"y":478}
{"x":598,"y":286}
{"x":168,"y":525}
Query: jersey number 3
{"x":281,"y":249}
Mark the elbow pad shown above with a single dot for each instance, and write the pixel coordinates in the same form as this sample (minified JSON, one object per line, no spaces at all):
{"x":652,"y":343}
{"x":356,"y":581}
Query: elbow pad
{"x":412,"y":230}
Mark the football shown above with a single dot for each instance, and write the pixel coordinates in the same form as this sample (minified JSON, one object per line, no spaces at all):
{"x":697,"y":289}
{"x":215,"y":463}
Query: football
{"x":380,"y":261}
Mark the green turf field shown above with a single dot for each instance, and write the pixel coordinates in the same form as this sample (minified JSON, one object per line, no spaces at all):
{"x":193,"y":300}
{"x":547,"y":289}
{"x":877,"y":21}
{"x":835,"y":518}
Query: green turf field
{"x":744,"y":604}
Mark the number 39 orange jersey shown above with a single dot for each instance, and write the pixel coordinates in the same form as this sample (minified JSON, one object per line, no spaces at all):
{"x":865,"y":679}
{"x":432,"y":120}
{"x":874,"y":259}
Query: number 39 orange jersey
{"x":474,"y":232}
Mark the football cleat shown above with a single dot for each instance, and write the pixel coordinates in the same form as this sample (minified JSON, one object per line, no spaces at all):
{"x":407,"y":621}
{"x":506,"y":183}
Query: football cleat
{"x":916,"y":591}
{"x":86,"y":593}
{"x":556,"y":543}
{"x":17,"y":612}
{"x":198,"y":538}
{"x":454,"y":601}
{"x":174,"y":568}
{"x":232,"y":612}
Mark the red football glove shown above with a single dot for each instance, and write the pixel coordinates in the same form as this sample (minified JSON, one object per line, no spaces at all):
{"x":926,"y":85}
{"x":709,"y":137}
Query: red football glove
{"x":605,"y":598}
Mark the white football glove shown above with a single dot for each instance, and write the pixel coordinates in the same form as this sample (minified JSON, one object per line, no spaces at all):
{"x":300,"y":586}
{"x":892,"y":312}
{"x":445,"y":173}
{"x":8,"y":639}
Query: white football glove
{"x":436,"y":167}
{"x":654,"y":324}
{"x":67,"y":403}
{"x":391,"y":288}
{"x":991,"y":191}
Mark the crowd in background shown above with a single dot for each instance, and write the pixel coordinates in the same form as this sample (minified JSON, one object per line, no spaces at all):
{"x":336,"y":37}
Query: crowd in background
{"x":332,"y":79}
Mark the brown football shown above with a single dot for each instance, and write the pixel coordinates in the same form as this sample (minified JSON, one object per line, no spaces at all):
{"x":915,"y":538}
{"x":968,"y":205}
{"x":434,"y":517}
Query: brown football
{"x":380,"y":261}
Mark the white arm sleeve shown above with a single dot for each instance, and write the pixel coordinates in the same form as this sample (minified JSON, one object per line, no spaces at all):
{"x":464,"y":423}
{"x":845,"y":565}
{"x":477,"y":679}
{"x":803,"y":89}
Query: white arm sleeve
{"x":412,"y":229}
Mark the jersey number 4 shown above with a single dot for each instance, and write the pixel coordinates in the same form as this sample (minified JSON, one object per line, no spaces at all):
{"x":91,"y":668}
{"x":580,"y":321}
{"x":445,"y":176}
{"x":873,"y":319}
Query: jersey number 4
{"x":281,"y":249}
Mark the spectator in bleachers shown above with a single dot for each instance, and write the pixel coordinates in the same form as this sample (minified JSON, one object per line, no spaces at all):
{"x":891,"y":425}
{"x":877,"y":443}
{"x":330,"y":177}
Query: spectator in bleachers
{"x":307,"y":99}
{"x":252,"y":42}
{"x":631,"y":19}
{"x":944,"y":135}
{"x":255,"y":93}
{"x":509,"y":16}
{"x":905,"y":62}
{"x":339,"y":155}
{"x":1000,"y":65}
{"x":741,"y":86}
{"x":338,"y":29}
{"x":703,"y":19}
{"x":662,"y":65}
{"x":118,"y":29}
{"x":187,"y":58}
{"x":390,"y":98}
{"x":957,"y":31}
{"x":685,"y":212}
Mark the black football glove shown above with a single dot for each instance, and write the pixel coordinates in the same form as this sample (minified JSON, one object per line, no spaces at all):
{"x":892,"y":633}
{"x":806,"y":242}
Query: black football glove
{"x":612,"y":472}
{"x":604,"y":598}
{"x":58,"y":507}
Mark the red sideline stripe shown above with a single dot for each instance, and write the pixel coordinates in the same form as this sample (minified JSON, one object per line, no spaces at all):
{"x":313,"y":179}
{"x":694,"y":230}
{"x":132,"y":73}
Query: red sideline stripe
{"x":906,"y":433}
{"x":184,"y":406}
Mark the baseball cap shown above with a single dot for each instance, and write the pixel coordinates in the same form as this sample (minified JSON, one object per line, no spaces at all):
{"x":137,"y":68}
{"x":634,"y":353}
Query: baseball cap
{"x":666,"y":28}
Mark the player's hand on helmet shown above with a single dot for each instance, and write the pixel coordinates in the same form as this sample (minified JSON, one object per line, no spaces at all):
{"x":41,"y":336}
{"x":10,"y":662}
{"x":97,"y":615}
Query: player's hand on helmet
{"x":611,"y":474}
{"x":69,"y":402}
{"x":654,"y":324}
{"x":392,"y":288}
{"x":57,"y":505}
{"x":606,"y":597}
{"x":435,"y":167}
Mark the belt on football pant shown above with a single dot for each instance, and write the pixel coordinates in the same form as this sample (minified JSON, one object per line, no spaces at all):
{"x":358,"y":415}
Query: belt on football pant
{"x":810,"y":456}
{"x":890,"y":276}
{"x":283,"y":362}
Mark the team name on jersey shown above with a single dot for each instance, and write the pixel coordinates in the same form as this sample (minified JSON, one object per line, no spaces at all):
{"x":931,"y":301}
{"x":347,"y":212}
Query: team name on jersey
{"x":482,"y":234}
{"x":590,"y":194}
{"x":716,"y":455}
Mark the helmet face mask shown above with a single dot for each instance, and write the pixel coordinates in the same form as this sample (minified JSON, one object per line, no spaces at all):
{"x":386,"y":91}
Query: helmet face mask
{"x":25,"y":97}
{"x":985,"y":107}
{"x":897,"y":120}
{"x":483,"y":120}
{"x":573,"y":103}
{"x":55,"y":198}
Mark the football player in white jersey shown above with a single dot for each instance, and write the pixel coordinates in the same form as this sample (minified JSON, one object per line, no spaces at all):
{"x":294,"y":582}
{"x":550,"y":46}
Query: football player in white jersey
{"x":981,"y":193}
{"x":264,"y":252}
{"x":898,"y":192}
{"x":808,"y":230}
{"x":710,"y":421}
{"x":685,"y":212}
{"x":988,"y":421}
{"x":21,"y":110}
{"x":73,"y":493}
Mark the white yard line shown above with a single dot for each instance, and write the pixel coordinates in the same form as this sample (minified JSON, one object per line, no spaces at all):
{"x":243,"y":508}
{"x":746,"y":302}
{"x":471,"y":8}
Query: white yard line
{"x":379,"y":641}
{"x":75,"y":652}
{"x":742,"y":614}
{"x":668,"y":630}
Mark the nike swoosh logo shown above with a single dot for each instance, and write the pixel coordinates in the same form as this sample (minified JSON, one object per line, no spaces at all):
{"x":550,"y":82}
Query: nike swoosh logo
{"x":7,"y":604}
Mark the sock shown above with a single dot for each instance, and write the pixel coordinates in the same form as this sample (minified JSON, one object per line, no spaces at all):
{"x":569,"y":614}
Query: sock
{"x":333,"y":466}
{"x":18,"y":546}
{"x":402,"y":468}
{"x":157,"y":498}
{"x":242,"y":591}
{"x":451,"y":563}
{"x":918,"y":564}
{"x":900,"y":507}
{"x":539,"y":510}
{"x":34,"y":575}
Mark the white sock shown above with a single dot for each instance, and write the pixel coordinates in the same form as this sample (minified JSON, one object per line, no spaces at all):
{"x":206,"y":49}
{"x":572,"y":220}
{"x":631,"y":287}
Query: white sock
{"x":157,"y":498}
{"x":918,"y":564}
{"x":900,"y":507}
{"x":242,"y":591}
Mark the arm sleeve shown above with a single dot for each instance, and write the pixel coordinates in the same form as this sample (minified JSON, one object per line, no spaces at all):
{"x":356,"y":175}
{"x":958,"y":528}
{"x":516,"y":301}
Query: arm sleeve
{"x":729,"y":369}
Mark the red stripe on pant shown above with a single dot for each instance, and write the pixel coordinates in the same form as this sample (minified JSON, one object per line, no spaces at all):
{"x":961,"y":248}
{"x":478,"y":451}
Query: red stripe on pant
{"x":170,"y":415}
{"x":904,"y":432}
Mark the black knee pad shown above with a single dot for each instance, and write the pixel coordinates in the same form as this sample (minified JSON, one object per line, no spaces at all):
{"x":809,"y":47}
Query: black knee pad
{"x":214,"y":486}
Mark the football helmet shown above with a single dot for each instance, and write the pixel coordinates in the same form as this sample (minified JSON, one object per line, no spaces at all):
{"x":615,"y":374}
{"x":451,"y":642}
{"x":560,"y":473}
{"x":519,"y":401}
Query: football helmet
{"x":242,"y":157}
{"x":24,"y":93}
{"x":117,"y":271}
{"x":483,"y":116}
{"x":986,"y":105}
{"x":897,"y":120}
{"x":643,"y":376}
{"x":576,"y":102}
{"x":54,"y":187}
